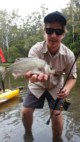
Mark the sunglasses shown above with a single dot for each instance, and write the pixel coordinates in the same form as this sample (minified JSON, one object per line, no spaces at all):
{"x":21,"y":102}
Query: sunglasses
{"x":50,"y":31}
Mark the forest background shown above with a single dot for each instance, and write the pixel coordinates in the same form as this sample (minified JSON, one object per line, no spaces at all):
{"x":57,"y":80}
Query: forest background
{"x":18,"y":35}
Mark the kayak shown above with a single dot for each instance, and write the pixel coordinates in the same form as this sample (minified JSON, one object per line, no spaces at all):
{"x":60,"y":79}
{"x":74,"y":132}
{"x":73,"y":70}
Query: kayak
{"x":8,"y":94}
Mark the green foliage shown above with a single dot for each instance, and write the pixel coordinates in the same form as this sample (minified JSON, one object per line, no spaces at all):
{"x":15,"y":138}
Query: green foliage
{"x":16,"y":39}
{"x":75,"y":47}
{"x":72,"y":12}
{"x":18,"y":35}
{"x":32,"y":39}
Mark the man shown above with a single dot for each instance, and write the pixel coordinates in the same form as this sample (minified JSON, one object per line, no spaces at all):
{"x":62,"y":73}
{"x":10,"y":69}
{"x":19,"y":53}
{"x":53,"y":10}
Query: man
{"x":42,"y":86}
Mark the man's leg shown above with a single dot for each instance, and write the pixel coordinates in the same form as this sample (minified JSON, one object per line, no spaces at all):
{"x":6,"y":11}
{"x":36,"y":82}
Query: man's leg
{"x":29,"y":105}
{"x":57,"y":124}
{"x":27,"y":119}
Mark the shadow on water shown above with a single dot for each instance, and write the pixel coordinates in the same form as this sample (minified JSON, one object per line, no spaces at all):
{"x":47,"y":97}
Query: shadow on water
{"x":11,"y":128}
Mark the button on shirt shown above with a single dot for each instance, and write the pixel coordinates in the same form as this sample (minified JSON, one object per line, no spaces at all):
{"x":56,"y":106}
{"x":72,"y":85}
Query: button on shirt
{"x":62,"y":62}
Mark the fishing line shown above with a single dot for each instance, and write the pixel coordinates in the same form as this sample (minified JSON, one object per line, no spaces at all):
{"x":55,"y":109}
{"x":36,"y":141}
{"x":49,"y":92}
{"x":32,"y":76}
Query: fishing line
{"x":58,"y":99}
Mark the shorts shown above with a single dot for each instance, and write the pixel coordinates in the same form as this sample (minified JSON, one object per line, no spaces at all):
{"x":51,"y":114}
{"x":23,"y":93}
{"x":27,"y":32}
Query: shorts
{"x":31,"y":101}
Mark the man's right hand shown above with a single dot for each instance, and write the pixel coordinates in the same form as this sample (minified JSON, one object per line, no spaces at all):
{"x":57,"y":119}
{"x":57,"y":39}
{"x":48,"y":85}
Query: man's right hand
{"x":36,"y":77}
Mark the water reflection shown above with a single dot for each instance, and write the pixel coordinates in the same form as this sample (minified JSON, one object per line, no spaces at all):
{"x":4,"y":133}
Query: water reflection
{"x":11,"y":128}
{"x":9,"y":104}
{"x":72,"y":127}
{"x":11,"y":125}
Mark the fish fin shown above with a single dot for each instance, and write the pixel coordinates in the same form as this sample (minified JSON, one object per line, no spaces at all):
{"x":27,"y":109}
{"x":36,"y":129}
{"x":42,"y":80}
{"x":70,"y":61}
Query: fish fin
{"x":14,"y":75}
{"x":3,"y":76}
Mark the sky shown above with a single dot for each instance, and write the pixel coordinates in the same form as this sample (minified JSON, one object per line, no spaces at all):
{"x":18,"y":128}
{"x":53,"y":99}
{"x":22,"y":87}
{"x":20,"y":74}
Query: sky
{"x":27,"y":6}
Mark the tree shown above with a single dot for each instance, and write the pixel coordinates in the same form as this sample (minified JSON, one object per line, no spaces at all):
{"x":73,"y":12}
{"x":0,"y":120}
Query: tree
{"x":72,"y":12}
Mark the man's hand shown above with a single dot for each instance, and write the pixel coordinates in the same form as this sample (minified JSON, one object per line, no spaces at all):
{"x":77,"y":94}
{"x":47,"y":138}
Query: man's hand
{"x":64,"y":93}
{"x":36,"y":77}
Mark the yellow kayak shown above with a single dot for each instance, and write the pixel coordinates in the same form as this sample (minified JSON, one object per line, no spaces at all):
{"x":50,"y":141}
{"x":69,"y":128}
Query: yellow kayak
{"x":8,"y":94}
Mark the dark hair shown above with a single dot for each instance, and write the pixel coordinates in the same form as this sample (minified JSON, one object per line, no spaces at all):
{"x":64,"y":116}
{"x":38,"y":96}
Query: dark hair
{"x":55,"y":17}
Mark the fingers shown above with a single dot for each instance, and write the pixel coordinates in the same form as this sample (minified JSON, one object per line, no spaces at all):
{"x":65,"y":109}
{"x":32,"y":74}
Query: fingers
{"x":63,"y":93}
{"x":36,"y":77}
{"x":31,"y":77}
{"x":42,"y":77}
{"x":45,"y":77}
{"x":28,"y":74}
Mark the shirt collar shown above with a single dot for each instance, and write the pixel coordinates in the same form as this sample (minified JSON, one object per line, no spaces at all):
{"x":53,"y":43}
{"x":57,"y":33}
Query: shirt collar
{"x":62,"y":49}
{"x":45,"y":49}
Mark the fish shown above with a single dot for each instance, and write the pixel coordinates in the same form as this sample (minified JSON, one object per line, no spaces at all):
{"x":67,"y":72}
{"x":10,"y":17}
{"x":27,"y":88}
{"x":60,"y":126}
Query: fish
{"x":34,"y":64}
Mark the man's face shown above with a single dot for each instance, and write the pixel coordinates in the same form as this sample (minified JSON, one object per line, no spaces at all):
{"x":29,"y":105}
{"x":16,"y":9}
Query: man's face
{"x":54,"y":33}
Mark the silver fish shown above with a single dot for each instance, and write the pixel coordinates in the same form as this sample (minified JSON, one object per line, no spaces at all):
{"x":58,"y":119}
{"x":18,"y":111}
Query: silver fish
{"x":23,"y":65}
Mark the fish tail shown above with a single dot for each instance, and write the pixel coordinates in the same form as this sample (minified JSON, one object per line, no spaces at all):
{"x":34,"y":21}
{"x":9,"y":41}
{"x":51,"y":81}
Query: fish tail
{"x":5,"y":73}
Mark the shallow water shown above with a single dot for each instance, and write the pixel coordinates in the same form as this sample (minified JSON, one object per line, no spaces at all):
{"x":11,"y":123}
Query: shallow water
{"x":11,"y":128}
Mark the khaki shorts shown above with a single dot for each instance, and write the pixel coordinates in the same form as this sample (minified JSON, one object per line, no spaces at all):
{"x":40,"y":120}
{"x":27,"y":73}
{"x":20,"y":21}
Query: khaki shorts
{"x":32,"y":102}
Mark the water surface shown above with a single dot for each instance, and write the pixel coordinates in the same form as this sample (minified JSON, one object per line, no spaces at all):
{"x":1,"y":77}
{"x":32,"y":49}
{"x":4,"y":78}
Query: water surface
{"x":11,"y":128}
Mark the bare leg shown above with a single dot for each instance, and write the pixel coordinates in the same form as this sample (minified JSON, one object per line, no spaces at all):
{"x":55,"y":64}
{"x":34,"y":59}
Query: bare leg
{"x":57,"y":124}
{"x":27,"y":118}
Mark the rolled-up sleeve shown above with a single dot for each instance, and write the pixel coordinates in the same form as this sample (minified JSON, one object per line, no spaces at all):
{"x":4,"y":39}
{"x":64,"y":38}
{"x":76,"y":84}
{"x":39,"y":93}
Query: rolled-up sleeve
{"x":71,"y":67}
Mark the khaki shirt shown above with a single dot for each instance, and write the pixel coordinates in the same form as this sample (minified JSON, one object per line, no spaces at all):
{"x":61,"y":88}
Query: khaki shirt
{"x":61,"y":61}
